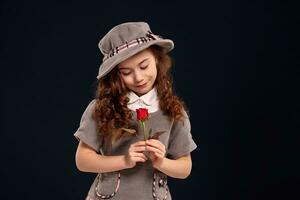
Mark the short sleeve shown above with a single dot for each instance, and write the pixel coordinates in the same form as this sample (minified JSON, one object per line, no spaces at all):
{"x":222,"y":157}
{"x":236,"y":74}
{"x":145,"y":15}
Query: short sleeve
{"x":87,"y":130}
{"x":181,"y":141}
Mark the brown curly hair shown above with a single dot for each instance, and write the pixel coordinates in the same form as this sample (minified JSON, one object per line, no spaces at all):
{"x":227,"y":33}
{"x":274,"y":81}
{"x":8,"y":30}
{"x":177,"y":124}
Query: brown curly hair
{"x":111,"y":109}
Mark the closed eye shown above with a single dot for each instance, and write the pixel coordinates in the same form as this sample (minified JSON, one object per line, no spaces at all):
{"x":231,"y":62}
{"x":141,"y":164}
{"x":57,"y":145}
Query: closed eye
{"x":144,"y":67}
{"x":125,"y":73}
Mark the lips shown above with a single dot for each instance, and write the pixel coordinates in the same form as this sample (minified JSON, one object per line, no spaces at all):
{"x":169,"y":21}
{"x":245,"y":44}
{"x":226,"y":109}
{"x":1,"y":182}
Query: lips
{"x":141,"y":86}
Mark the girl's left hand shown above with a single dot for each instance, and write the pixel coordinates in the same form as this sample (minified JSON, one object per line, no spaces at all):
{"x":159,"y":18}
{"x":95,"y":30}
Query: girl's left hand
{"x":157,"y":152}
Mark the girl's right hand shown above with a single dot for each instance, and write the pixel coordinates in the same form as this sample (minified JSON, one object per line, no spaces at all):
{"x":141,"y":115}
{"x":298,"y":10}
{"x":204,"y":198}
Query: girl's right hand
{"x":135,"y":154}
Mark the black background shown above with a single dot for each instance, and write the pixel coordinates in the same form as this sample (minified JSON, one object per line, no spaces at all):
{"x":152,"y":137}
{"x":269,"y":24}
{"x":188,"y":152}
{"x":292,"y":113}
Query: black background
{"x":236,"y":67}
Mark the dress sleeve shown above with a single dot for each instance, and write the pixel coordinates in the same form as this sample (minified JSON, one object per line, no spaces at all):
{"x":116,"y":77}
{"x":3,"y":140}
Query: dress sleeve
{"x":87,"y":131}
{"x":181,"y":141}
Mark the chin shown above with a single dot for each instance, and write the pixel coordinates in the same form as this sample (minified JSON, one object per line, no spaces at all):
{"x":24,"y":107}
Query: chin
{"x":142,"y":92}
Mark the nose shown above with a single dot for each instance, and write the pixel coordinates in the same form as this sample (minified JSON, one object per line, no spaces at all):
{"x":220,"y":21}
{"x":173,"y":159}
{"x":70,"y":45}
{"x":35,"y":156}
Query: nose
{"x":138,"y":77}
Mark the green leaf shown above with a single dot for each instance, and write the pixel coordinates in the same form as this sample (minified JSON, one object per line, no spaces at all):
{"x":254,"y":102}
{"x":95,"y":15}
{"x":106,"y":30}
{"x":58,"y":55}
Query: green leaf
{"x":157,"y":134}
{"x":150,"y":132}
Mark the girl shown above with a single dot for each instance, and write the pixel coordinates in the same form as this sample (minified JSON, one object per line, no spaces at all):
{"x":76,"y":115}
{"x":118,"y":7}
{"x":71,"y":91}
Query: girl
{"x":133,"y":161}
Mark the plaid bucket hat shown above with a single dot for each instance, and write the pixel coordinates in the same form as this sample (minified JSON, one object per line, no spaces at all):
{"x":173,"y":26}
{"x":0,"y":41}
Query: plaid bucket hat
{"x":124,"y":41}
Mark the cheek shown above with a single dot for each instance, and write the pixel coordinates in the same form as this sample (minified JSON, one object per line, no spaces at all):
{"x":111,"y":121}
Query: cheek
{"x":126,"y":80}
{"x":154,"y":73}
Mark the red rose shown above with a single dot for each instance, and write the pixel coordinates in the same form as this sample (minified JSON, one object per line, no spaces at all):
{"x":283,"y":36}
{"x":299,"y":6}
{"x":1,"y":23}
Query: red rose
{"x":142,"y":114}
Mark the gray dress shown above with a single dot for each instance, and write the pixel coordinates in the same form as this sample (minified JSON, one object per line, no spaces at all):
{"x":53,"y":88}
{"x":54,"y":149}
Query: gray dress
{"x":141,"y":181}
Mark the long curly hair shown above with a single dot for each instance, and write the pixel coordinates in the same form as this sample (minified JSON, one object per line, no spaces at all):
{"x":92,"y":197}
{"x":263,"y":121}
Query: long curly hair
{"x":111,"y":109}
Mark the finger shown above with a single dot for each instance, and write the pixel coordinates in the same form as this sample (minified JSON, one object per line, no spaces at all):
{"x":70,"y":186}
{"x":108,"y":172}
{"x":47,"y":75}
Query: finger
{"x":159,"y":147}
{"x":138,"y":149}
{"x":140,"y":155}
{"x":138,"y":159}
{"x":139,"y":143}
{"x":155,"y":143}
{"x":152,"y":155}
{"x":158,"y":154}
{"x":153,"y":149}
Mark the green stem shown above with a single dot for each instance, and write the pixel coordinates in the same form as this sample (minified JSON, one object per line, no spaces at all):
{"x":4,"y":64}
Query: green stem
{"x":144,"y":129}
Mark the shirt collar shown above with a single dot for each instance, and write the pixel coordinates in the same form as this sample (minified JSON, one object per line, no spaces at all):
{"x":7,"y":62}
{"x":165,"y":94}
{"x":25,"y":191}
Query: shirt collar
{"x":148,"y":99}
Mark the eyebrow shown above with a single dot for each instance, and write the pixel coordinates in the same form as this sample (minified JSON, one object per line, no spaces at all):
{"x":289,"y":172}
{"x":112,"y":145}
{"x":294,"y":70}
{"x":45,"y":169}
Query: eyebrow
{"x":121,"y":67}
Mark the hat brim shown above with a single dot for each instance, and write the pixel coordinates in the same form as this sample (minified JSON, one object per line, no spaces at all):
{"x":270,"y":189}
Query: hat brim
{"x":110,"y":63}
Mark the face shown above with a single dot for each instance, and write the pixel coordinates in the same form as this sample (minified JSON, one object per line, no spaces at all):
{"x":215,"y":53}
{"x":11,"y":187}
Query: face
{"x":139,"y":72}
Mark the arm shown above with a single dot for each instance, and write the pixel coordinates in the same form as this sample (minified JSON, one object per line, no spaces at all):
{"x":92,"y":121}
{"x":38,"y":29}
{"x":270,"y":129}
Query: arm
{"x":179,"y":168}
{"x":87,"y":159}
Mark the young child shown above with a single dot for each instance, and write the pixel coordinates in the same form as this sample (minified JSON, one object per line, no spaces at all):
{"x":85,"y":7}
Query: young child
{"x":132,"y":156}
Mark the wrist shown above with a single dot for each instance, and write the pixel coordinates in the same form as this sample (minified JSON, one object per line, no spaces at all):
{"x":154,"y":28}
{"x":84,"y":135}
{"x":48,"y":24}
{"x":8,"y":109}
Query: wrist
{"x":124,"y":161}
{"x":160,"y":166}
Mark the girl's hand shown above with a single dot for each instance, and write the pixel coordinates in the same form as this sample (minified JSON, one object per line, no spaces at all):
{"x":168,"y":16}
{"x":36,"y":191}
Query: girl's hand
{"x":157,"y":152}
{"x":135,"y":154}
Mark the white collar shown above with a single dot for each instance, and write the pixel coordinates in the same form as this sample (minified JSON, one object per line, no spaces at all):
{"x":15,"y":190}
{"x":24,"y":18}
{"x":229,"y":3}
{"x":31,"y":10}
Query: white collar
{"x":148,"y":100}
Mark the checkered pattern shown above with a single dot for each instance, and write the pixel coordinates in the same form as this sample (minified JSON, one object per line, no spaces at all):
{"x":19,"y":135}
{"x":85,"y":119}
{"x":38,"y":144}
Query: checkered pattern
{"x":150,"y":36}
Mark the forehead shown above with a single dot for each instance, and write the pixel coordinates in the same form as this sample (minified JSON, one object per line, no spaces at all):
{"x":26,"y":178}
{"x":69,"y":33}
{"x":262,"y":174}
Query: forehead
{"x":137,"y":58}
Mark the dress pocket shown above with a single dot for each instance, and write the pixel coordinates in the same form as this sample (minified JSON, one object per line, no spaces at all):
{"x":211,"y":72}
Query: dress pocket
{"x":107,"y":185}
{"x":160,"y":188}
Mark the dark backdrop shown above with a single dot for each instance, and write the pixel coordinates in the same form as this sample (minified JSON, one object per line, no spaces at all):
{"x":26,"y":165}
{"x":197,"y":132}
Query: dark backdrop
{"x":236,"y":67}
